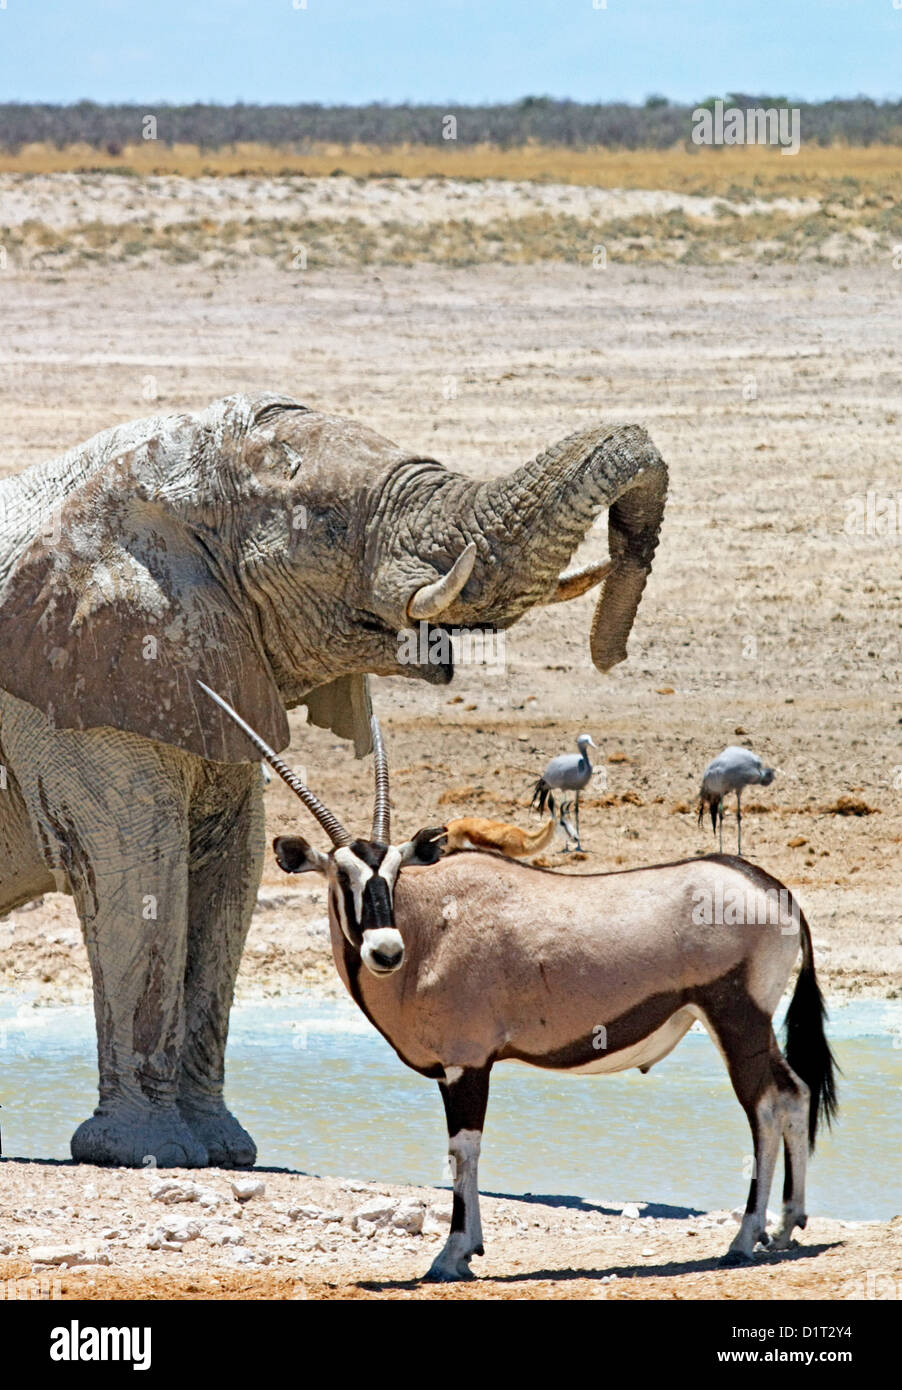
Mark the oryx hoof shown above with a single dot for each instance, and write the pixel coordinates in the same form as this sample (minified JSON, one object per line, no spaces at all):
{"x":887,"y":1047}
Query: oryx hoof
{"x":451,"y":1273}
{"x":452,"y":1263}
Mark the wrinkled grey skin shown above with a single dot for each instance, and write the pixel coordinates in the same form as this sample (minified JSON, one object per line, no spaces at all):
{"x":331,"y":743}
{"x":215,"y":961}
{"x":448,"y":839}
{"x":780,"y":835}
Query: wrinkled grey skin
{"x":271,"y":552}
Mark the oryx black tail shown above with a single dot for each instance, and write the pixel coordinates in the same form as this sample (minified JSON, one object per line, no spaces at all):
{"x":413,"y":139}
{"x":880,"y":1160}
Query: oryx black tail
{"x":807,"y":1050}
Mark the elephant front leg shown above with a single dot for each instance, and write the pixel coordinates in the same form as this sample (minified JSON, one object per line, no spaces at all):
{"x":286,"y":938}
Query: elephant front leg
{"x":135,"y":930}
{"x":109,"y":812}
{"x":226,"y":864}
{"x":465,"y":1099}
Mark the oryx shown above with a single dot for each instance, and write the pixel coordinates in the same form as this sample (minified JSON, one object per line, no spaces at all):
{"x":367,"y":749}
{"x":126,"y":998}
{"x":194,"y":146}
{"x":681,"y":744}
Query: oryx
{"x":468,"y":960}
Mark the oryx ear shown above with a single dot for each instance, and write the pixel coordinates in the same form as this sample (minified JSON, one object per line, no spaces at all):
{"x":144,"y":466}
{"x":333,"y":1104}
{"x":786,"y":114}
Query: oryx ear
{"x":426,"y":847}
{"x":296,"y":856}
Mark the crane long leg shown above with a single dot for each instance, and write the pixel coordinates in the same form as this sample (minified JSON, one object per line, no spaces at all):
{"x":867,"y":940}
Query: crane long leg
{"x":562,"y":822}
{"x":720,"y":822}
{"x":738,"y":824}
{"x":578,"y":842}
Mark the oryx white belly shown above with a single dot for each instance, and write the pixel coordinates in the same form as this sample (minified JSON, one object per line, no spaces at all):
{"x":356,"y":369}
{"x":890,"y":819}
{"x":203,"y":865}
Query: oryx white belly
{"x":641,"y":1054}
{"x":644,"y":1053}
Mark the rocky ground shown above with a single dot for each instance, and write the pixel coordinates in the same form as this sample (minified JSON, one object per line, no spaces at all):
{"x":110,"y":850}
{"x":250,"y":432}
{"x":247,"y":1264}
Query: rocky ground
{"x":78,"y":1232}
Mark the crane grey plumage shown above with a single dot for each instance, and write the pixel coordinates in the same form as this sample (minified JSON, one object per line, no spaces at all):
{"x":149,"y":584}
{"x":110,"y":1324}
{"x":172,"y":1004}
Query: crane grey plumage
{"x":569,"y":772}
{"x":730,"y":771}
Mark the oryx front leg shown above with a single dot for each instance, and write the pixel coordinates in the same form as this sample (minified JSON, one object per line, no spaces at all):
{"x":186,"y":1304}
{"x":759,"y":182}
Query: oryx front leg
{"x":465,"y":1094}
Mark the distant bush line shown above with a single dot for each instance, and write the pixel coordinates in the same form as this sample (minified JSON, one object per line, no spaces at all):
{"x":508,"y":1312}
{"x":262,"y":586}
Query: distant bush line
{"x":658,"y":124}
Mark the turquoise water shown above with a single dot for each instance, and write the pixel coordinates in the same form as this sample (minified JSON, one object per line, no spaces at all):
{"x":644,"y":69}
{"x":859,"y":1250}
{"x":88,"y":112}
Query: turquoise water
{"x":322,"y":1092}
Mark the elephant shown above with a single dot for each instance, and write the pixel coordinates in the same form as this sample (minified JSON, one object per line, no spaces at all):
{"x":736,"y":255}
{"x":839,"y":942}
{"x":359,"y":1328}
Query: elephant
{"x":276,"y":554}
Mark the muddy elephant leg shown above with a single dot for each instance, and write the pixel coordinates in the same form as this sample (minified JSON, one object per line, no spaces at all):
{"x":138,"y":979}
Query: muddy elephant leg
{"x":110,"y":811}
{"x":134,"y":923}
{"x":23,"y":873}
{"x":224,"y":873}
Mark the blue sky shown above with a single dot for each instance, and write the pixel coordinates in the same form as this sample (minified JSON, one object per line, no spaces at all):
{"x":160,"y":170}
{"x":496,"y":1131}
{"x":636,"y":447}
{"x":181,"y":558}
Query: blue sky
{"x":337,"y":51}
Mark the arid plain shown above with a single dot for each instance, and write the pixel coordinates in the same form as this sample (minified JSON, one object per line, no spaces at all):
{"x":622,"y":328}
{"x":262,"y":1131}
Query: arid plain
{"x":771,"y":385}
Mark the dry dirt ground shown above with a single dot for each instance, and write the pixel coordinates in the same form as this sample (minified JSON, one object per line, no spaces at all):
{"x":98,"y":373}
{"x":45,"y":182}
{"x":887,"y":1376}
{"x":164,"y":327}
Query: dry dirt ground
{"x":79,"y":1232}
{"x":771,"y":616}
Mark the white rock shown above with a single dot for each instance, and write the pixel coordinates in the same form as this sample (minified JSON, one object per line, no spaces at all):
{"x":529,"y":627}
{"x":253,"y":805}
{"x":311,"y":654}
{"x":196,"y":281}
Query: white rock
{"x":378,"y":1211}
{"x":311,"y":1213}
{"x":224,"y":1235}
{"x":177,"y":1229}
{"x":209,"y":1198}
{"x":409,"y":1217}
{"x":246,"y":1188}
{"x":631,"y":1212}
{"x":67,"y":1255}
{"x":169,"y":1190}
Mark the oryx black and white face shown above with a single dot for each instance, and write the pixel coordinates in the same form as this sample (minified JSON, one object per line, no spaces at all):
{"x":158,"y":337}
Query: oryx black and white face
{"x":361,"y":873}
{"x":361,"y":878}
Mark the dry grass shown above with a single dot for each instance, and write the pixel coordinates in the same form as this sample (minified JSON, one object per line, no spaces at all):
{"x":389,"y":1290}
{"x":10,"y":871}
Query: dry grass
{"x":835,"y":172}
{"x":852,"y":210}
{"x":667,"y":238}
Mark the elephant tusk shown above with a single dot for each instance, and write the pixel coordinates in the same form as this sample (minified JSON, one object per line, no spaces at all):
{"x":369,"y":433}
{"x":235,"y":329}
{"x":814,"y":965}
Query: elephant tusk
{"x":432,"y":599}
{"x":576,"y":582}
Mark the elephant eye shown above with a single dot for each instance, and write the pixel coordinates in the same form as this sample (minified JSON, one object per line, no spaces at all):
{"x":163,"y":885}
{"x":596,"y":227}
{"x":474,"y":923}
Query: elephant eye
{"x":370,"y":623}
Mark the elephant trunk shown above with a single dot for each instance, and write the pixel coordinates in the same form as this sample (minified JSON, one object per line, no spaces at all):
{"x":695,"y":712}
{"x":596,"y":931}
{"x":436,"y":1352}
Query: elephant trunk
{"x":534,"y":519}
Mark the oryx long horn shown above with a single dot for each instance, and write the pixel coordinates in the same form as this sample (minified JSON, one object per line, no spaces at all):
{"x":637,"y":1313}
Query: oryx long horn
{"x":332,"y":826}
{"x":432,"y":599}
{"x":382,"y":809}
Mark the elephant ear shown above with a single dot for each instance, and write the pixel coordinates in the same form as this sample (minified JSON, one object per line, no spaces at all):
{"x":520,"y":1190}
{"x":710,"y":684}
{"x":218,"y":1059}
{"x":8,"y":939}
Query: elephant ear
{"x":111,"y":619}
{"x":344,"y":706}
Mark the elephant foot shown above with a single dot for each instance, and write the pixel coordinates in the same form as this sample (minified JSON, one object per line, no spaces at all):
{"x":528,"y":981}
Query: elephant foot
{"x":130,"y":1136}
{"x":227,"y":1143}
